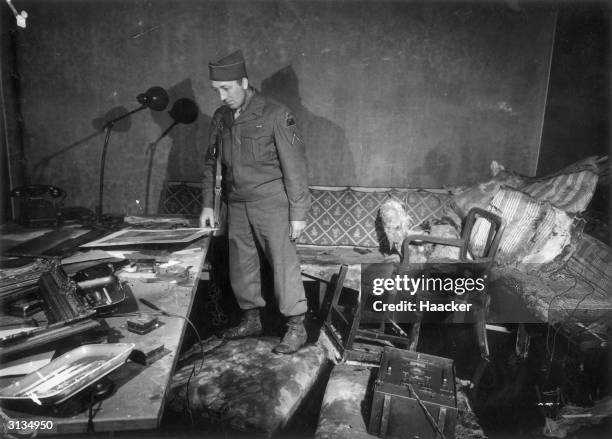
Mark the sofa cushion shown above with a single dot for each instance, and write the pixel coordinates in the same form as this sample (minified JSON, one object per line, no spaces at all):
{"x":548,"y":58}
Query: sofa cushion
{"x":244,"y":385}
{"x":535,"y":232}
{"x":423,"y":206}
{"x":349,"y":216}
{"x":570,"y":192}
{"x":570,"y":189}
{"x":563,"y":298}
{"x":398,"y":225}
{"x":342,"y":217}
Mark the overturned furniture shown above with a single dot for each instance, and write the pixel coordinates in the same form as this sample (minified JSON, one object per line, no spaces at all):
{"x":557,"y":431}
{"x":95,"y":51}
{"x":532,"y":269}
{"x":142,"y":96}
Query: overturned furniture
{"x":344,"y":229}
{"x":347,"y":401}
{"x":480,"y":238}
{"x":476,"y":252}
{"x":241,"y":385}
{"x":416,"y":387}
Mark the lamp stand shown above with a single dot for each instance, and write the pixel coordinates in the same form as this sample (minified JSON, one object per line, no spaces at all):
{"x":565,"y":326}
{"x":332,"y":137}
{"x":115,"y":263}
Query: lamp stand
{"x":108,"y":127}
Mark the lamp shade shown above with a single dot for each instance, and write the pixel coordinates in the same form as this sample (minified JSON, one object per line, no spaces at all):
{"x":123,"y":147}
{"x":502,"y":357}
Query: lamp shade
{"x":155,"y":98}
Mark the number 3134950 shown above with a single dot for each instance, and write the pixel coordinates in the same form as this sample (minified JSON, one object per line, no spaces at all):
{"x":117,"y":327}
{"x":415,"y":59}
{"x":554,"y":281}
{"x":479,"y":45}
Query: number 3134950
{"x":30,"y":424}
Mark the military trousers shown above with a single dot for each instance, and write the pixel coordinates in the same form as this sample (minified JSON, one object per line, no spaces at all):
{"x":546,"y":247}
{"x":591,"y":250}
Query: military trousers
{"x":264,"y":223}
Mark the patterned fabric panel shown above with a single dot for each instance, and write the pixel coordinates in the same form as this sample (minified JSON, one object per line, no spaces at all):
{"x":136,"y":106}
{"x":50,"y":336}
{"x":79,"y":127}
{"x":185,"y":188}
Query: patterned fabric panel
{"x":245,"y":385}
{"x":535,"y":232}
{"x":336,"y":217}
{"x":592,"y":263}
{"x":349,"y":216}
{"x":342,"y":217}
{"x":480,"y":233}
{"x":181,"y":198}
{"x":570,"y":192}
{"x":424,"y":206}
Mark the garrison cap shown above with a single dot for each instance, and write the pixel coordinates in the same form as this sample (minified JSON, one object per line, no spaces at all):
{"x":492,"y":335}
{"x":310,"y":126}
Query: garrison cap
{"x":229,"y":68}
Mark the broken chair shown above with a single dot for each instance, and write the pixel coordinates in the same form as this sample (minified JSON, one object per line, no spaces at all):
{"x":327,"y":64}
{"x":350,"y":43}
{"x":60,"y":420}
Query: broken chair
{"x":478,"y":244}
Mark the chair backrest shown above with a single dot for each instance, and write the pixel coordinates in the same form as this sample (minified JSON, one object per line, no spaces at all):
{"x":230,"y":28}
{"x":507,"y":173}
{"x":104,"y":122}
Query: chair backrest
{"x":481,"y":242}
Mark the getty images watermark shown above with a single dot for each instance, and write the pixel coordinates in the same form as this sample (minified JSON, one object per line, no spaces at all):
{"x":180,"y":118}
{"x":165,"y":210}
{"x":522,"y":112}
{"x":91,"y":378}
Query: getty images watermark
{"x":429,"y":289}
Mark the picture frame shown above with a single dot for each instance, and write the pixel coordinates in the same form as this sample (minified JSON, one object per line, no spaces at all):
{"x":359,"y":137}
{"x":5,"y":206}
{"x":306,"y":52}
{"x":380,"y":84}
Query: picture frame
{"x":150,"y":236}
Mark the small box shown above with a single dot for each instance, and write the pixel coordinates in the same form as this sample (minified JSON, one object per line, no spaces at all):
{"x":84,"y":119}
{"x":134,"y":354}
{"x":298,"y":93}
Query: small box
{"x":142,"y":324}
{"x":25,"y":307}
{"x":414,"y":396}
{"x":148,"y":353}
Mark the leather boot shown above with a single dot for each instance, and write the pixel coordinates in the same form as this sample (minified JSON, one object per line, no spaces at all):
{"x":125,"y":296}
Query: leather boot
{"x":294,"y":338}
{"x":249,"y":326}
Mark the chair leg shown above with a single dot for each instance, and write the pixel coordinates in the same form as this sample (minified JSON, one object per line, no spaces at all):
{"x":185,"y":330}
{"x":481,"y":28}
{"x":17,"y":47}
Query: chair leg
{"x":415,"y":331}
{"x":481,"y":328}
{"x":337,"y":290}
{"x":522,"y":342}
{"x":483,"y":343}
{"x":480,"y":369}
{"x":323,"y":302}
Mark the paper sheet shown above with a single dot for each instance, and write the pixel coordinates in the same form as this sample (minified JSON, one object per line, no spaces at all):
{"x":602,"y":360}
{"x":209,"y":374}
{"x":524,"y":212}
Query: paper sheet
{"x":24,"y":366}
{"x":92,"y":255}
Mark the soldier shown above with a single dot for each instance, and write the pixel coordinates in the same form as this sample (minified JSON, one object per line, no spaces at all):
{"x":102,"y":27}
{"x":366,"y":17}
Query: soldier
{"x":267,"y":191}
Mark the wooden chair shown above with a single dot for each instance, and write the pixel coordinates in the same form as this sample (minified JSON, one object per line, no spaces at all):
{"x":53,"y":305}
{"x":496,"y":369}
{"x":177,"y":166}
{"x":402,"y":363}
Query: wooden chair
{"x":345,"y":323}
{"x":478,"y":244}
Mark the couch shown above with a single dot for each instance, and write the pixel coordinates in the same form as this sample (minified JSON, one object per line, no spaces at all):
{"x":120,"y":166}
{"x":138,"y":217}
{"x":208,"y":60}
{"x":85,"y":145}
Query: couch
{"x":560,"y":274}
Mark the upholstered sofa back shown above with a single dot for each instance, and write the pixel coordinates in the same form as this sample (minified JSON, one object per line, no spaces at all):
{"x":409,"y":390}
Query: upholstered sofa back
{"x":338,"y":216}
{"x":349,"y":216}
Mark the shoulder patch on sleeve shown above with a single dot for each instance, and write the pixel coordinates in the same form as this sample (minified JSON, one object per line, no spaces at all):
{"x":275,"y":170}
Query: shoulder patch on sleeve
{"x":289,"y":120}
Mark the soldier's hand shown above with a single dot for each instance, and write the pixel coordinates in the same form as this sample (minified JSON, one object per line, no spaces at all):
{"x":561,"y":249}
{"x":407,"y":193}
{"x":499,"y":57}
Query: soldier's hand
{"x":296,"y":228}
{"x":207,"y":218}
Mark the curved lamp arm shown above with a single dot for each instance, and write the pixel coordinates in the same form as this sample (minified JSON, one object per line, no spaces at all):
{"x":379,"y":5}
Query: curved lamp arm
{"x":155,"y":98}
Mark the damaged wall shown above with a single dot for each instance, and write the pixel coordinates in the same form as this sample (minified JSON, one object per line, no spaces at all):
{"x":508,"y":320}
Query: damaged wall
{"x":387,"y":93}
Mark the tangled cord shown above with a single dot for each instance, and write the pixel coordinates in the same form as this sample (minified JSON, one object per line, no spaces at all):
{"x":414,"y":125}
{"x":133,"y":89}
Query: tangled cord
{"x":91,"y":413}
{"x":550,"y":349}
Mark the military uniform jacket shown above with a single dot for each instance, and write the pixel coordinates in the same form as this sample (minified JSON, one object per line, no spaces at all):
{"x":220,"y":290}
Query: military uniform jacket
{"x":262,"y":155}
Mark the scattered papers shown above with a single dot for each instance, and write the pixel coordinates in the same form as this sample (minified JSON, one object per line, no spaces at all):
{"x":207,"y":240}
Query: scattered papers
{"x":92,"y":255}
{"x":24,"y":366}
{"x":7,"y":334}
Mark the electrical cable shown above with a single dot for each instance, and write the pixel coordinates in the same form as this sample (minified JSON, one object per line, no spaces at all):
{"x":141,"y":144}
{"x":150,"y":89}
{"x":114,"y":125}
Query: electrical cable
{"x":550,"y":303}
{"x":161,"y":311}
{"x":193,"y":372}
{"x":550,"y":351}
{"x":168,"y":314}
{"x":187,"y":404}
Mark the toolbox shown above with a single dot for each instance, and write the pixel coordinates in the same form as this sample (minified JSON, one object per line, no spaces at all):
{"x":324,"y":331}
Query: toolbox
{"x":414,"y":396}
